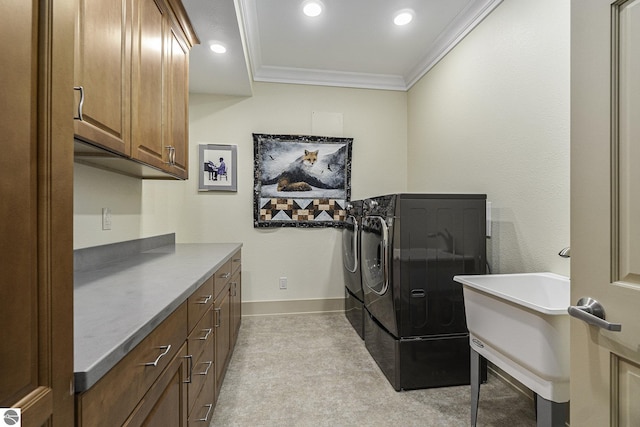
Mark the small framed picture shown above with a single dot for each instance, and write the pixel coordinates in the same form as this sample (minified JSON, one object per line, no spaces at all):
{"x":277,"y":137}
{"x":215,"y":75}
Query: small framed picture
{"x":217,"y":169}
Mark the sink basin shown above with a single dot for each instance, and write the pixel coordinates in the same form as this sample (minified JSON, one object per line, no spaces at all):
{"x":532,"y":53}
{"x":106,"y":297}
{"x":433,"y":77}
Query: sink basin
{"x":520,"y":323}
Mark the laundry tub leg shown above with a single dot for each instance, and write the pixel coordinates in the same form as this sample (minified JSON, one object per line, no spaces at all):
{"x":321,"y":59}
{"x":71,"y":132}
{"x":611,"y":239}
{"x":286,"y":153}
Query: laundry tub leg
{"x":475,"y":386}
{"x":550,"y":414}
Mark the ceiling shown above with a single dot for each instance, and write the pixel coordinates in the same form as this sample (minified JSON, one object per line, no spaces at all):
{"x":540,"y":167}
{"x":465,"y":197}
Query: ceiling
{"x":353,"y":43}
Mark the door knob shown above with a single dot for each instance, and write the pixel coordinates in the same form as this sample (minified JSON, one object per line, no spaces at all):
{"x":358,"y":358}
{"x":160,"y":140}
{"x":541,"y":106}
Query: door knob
{"x":592,"y":312}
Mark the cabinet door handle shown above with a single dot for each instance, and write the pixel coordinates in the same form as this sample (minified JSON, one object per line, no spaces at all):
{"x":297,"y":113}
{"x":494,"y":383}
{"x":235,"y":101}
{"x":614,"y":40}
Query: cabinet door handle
{"x":235,"y":286}
{"x":206,"y":417}
{"x":206,"y":371}
{"x":190,"y":358}
{"x":225,"y":275}
{"x":81,"y":103}
{"x":205,"y":299}
{"x":165,"y":350}
{"x":237,"y":259}
{"x":172,"y":155}
{"x":217,"y":311}
{"x":206,"y":335}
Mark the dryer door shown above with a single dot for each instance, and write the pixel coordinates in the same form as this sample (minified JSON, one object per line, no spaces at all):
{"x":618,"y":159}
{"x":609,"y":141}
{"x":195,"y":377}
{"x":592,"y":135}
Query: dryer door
{"x":350,"y":244}
{"x":374,"y":257}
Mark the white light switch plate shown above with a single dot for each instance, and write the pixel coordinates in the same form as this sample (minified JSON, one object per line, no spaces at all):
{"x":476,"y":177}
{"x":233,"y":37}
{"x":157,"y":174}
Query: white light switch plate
{"x":106,"y":219}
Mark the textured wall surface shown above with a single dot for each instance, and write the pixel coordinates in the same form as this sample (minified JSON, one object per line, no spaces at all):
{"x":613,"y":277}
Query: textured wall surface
{"x":493,"y":117}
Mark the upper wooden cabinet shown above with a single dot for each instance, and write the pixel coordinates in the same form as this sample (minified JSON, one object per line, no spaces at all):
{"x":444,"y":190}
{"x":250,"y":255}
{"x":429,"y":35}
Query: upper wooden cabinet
{"x":178,"y":100}
{"x":132,"y":63}
{"x":148,"y":76}
{"x":103,"y":56}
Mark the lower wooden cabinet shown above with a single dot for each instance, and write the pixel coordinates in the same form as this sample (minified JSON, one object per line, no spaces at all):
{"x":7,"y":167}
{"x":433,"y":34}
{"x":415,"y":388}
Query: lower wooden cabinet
{"x":165,"y":404}
{"x":173,"y":377}
{"x":223,"y":334}
{"x":202,"y":411}
{"x":113,"y":398}
{"x":235,"y":306}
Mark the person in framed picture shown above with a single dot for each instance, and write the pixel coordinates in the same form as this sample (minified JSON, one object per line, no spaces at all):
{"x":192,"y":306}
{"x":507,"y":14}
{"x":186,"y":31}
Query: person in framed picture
{"x":221,"y":170}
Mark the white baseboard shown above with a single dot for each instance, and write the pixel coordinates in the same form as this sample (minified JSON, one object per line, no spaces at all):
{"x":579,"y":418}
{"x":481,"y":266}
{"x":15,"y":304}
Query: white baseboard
{"x":265,"y":308}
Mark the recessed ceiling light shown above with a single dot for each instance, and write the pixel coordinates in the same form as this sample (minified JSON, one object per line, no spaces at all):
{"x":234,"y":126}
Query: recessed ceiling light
{"x":218,"y":48}
{"x":312,"y":8}
{"x":403,"y":17}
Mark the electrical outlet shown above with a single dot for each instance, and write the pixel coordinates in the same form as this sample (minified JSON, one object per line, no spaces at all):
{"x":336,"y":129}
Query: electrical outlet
{"x":283,"y":283}
{"x":106,"y":219}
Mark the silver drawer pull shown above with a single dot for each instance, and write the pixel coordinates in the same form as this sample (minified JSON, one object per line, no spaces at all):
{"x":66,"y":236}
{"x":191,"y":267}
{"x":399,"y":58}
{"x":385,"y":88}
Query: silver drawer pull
{"x":237,"y":259}
{"x":205,"y":299}
{"x":166,"y":349}
{"x":217,"y":311}
{"x":206,"y":417}
{"x":225,"y":275}
{"x":206,"y":335}
{"x":188,"y":380}
{"x":206,"y":371}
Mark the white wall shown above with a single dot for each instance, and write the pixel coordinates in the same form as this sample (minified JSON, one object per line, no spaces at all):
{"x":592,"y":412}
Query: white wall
{"x":310,"y":258}
{"x":493,"y":117}
{"x":95,"y":189}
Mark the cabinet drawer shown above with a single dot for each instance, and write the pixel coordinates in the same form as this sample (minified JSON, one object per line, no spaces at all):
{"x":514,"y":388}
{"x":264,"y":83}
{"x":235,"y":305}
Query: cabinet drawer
{"x":201,"y":336}
{"x":199,"y":302}
{"x":222,"y":277}
{"x":203,"y":368}
{"x":165,"y":403}
{"x":236,"y":261}
{"x":200,"y":415}
{"x":110,"y":401}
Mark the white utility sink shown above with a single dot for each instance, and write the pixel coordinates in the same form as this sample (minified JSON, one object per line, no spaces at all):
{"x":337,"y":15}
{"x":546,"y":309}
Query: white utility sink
{"x":520,"y":323}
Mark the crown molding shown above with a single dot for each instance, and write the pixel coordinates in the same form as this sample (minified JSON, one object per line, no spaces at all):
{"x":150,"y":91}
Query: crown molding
{"x":462,"y":25}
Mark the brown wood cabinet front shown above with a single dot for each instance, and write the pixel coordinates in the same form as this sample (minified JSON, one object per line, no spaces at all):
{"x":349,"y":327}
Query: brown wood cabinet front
{"x":177,"y":137}
{"x":235,"y":308}
{"x":148,"y":75}
{"x":223,"y":335}
{"x":36,"y":177}
{"x":165,"y":403}
{"x":102,"y":63}
{"x":159,"y":90}
{"x":112,"y":399}
{"x":132,"y":80}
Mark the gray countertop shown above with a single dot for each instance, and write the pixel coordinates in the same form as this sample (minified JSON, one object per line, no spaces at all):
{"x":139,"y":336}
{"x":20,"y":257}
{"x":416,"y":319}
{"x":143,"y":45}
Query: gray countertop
{"x":118,"y":303}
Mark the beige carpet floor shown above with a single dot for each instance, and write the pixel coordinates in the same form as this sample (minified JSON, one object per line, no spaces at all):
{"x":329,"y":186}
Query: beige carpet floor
{"x":314,"y":370}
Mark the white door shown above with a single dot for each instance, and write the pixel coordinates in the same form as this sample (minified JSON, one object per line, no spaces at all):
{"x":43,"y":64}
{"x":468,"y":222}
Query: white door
{"x":605,"y":209}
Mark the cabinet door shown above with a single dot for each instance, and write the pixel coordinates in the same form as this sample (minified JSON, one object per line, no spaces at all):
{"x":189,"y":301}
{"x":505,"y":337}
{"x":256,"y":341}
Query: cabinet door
{"x":236,"y":306}
{"x":102,"y":63}
{"x":223,"y":329}
{"x":178,"y":93}
{"x":36,"y":318}
{"x":165,"y":405}
{"x":148,"y":75}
